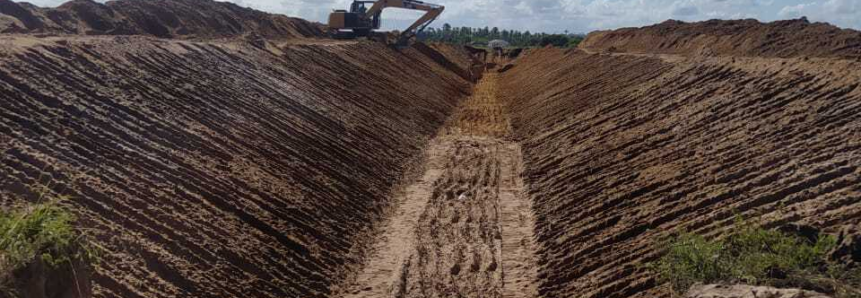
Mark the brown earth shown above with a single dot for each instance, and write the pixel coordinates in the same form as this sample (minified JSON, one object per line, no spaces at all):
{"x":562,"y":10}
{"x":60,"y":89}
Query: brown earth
{"x":745,"y":291}
{"x":184,"y":19}
{"x":464,"y":228}
{"x":620,"y":150}
{"x":214,"y":164}
{"x":217,"y":169}
{"x":784,"y":39}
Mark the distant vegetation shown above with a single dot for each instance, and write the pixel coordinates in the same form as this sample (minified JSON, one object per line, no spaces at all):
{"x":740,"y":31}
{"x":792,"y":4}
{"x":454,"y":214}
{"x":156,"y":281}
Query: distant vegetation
{"x":480,"y":37}
{"x":756,"y":256}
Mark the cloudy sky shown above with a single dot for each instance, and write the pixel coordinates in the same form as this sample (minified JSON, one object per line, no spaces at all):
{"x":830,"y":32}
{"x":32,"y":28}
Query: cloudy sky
{"x":579,"y":15}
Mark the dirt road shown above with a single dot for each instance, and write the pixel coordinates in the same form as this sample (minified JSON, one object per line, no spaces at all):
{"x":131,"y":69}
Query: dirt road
{"x":464,"y":229}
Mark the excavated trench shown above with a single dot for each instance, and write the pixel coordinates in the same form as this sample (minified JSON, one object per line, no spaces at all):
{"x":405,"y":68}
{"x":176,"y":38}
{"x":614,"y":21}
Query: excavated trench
{"x":263,"y":163}
{"x":217,"y":169}
{"x":464,"y":228}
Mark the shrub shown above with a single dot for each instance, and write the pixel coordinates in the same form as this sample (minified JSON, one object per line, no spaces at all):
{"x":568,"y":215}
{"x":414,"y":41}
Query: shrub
{"x":556,"y":40}
{"x":573,"y":42}
{"x":754,"y":256}
{"x":43,"y":231}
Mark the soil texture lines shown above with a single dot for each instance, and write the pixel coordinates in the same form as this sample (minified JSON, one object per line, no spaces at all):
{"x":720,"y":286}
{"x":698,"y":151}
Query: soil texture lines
{"x":464,"y":229}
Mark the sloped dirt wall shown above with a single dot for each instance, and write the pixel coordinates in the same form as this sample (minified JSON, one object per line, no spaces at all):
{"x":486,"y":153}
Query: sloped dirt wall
{"x":750,"y":38}
{"x":216,"y":170}
{"x":621,"y":150}
{"x":180,"y":19}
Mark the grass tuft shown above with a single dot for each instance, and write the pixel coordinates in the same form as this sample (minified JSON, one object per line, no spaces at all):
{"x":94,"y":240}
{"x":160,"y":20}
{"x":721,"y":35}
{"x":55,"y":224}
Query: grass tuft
{"x":755,"y":256}
{"x":40,"y":232}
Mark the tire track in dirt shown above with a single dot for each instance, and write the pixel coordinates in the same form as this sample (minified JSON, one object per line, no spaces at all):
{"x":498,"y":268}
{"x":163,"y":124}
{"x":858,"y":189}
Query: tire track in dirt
{"x":465,"y":228}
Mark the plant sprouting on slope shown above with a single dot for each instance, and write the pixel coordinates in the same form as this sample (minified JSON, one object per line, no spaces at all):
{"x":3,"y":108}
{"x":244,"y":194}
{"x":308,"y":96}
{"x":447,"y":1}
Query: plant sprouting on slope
{"x":754,"y":256}
{"x":42,"y":232}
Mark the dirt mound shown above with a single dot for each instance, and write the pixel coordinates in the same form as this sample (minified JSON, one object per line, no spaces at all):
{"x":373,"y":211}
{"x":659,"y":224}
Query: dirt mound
{"x":186,"y":19}
{"x":216,"y":170}
{"x":621,"y":150}
{"x":791,"y":38}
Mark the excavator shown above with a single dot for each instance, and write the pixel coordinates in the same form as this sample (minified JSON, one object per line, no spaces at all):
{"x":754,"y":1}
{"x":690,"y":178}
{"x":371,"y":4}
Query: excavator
{"x":362,"y":20}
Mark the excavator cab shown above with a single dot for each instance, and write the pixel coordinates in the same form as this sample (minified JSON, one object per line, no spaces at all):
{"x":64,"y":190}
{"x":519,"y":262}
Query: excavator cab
{"x":365,"y":16}
{"x":357,"y":21}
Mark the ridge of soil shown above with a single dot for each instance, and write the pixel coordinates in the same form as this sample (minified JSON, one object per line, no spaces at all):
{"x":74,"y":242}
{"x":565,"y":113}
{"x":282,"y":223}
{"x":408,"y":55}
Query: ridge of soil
{"x":216,"y":169}
{"x":749,"y":38}
{"x":180,"y":19}
{"x":621,"y":150}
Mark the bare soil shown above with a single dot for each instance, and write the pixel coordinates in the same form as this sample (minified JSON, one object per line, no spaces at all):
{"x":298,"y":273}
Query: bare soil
{"x":745,"y":291}
{"x":621,"y":150}
{"x":217,"y":169}
{"x":464,"y":229}
{"x":217,"y":151}
{"x":182,"y":19}
{"x":750,"y":38}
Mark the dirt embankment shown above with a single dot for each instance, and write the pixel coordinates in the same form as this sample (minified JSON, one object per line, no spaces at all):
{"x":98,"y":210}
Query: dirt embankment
{"x":619,"y":150}
{"x":785,"y":39}
{"x":185,"y":19}
{"x":453,"y":58}
{"x":216,"y":169}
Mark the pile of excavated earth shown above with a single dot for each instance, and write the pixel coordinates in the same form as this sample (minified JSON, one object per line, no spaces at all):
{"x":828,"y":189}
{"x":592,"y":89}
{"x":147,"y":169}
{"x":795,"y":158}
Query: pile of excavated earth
{"x":186,"y":19}
{"x":216,"y":151}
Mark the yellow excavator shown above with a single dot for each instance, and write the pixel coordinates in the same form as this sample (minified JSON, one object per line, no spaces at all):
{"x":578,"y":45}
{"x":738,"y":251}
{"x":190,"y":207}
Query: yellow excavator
{"x":362,"y":20}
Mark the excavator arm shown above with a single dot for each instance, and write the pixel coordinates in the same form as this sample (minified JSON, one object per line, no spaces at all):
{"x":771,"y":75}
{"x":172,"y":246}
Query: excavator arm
{"x":433,"y":11}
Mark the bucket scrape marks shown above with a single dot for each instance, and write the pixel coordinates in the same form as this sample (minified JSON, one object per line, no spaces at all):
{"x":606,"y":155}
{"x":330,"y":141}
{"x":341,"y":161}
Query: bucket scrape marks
{"x":474,"y":236}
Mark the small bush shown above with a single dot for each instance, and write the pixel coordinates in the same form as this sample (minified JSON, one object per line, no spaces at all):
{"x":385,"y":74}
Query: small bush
{"x":42,"y":231}
{"x":557,"y":40}
{"x":753,"y":256}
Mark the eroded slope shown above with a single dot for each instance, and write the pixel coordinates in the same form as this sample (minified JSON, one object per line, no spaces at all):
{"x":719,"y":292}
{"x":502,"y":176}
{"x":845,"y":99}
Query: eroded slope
{"x":186,"y":19}
{"x":216,"y":170}
{"x":621,"y":150}
{"x":785,"y":39}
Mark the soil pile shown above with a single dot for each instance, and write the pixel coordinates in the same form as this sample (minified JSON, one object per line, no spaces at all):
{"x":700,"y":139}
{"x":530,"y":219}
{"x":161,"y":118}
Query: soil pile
{"x":791,"y":38}
{"x":620,"y":150}
{"x":186,"y":19}
{"x":216,"y":169}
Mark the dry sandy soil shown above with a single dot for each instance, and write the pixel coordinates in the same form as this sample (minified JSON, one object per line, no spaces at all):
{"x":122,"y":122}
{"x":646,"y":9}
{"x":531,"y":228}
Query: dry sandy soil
{"x":223,"y":152}
{"x":750,"y":38}
{"x":620,"y":150}
{"x":211,"y":169}
{"x":185,"y":19}
{"x":464,"y":228}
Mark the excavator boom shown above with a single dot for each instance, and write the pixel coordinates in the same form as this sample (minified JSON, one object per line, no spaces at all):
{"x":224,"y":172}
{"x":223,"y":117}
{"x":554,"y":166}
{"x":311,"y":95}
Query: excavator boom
{"x":363,"y":20}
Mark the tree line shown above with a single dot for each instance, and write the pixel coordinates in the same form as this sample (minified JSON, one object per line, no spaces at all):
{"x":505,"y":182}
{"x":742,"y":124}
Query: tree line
{"x":481,"y":36}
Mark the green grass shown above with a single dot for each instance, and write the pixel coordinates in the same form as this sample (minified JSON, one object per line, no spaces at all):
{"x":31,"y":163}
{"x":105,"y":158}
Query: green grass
{"x":44,"y":230}
{"x":41,"y":232}
{"x":755,"y":256}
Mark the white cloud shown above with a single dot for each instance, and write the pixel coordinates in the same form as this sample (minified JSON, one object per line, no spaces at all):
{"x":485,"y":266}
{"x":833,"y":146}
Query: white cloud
{"x":578,"y":15}
{"x":844,"y":13}
{"x":795,"y":11}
